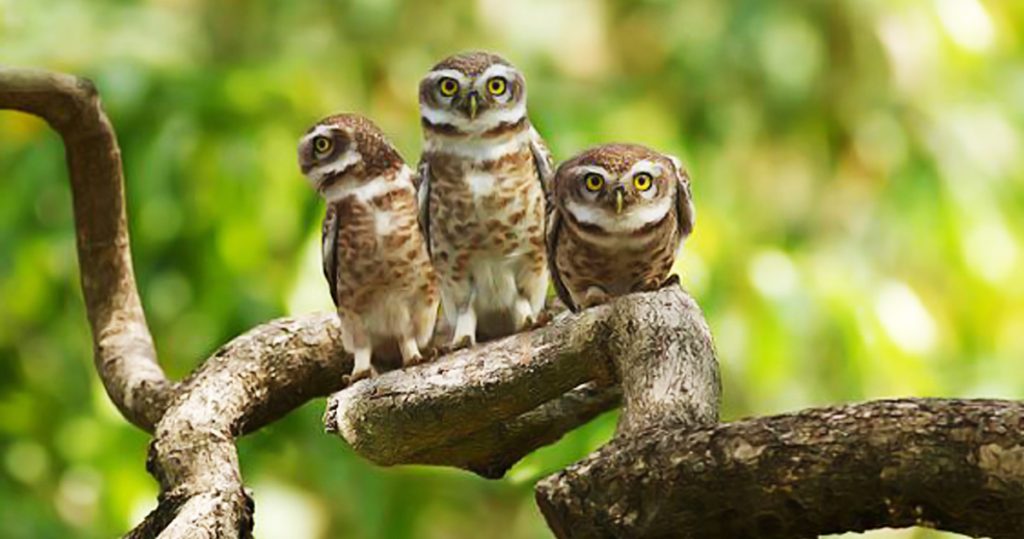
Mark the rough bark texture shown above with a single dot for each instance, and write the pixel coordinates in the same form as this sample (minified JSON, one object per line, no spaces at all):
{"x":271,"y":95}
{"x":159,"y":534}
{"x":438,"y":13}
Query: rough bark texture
{"x":946,"y":464}
{"x":954,"y":465}
{"x":396,"y":417}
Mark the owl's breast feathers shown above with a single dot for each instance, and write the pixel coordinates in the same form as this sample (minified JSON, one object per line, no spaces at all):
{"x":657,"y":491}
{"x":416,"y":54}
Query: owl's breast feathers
{"x":618,"y":263}
{"x":486,"y":206}
{"x":378,"y":248}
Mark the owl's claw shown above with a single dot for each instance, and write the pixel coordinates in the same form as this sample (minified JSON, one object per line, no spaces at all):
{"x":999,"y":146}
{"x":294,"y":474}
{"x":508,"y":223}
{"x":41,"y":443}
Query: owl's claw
{"x":543,"y":318}
{"x":464,"y":342}
{"x":673,"y":280}
{"x":415,"y":360}
{"x":432,"y":353}
{"x":361,"y":374}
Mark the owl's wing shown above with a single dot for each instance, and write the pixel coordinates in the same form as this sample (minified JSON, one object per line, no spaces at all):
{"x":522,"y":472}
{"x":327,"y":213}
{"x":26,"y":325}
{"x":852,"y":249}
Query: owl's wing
{"x":685,"y":212}
{"x":422,"y":182}
{"x":543,"y":161}
{"x":554,"y":234}
{"x":329,"y":248}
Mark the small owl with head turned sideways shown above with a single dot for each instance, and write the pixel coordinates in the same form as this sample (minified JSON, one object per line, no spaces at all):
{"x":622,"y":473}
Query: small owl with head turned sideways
{"x":621,"y":213}
{"x":484,"y":172}
{"x":374,"y":255}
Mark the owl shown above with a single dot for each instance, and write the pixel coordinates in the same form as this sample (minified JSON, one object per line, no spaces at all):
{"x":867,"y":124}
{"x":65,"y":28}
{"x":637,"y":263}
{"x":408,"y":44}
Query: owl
{"x":484,"y":171}
{"x":374,"y":254}
{"x":620,"y":215}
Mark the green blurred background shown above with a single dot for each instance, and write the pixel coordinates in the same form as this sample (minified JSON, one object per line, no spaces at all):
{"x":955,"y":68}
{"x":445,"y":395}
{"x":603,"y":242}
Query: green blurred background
{"x":857,"y":172}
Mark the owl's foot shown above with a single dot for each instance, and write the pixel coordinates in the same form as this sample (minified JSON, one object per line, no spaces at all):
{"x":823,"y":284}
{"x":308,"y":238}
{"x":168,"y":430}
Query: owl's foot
{"x":363,"y":367}
{"x":543,"y":318}
{"x":410,"y":353}
{"x":595,"y":295}
{"x":361,"y":374}
{"x":464,"y":341}
{"x":432,"y":353}
{"x":465,"y":330}
{"x":673,"y":280}
{"x":418,"y":359}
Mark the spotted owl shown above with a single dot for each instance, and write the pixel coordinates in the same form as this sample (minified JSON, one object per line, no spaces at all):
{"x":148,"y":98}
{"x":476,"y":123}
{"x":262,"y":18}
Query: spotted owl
{"x":483,"y":170}
{"x":374,"y":254}
{"x":620,"y":215}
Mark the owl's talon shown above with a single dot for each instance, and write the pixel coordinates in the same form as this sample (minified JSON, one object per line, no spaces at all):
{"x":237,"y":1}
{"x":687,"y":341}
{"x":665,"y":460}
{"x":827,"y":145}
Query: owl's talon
{"x":432,"y":353}
{"x":415,"y":360}
{"x":361,"y":374}
{"x":464,"y":342}
{"x":543,"y":319}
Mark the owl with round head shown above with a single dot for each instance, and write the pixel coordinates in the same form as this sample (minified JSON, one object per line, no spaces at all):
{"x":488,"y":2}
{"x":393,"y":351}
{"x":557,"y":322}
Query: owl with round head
{"x":620,"y":215}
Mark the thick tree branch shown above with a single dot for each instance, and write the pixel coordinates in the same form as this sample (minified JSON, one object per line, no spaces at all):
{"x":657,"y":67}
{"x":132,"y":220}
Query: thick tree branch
{"x":251,"y":381}
{"x":124,"y":352}
{"x":398,"y":416}
{"x":947,"y":464}
{"x":657,"y":342}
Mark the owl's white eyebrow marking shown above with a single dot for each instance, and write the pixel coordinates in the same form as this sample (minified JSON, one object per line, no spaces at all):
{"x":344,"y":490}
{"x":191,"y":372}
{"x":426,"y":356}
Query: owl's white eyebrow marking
{"x":580,"y":170}
{"x":449,"y":73}
{"x":496,"y":70}
{"x":320,"y":130}
{"x":653,"y":168}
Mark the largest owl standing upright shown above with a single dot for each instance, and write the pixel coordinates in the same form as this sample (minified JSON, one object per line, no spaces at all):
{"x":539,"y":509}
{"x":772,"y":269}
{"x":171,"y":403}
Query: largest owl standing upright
{"x":482,"y":195}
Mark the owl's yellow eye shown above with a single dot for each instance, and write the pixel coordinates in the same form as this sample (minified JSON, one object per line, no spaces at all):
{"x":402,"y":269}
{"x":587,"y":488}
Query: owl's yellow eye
{"x":322,"y":145}
{"x":642,"y":181}
{"x":449,"y":86}
{"x":593,"y":181}
{"x":496,"y":86}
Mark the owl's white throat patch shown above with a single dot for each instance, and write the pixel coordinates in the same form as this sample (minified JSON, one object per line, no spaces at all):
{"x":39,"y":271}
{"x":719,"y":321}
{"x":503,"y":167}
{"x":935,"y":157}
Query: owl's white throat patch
{"x":484,"y":122}
{"x":369,"y":190}
{"x":631,"y":220}
{"x":478,"y":149}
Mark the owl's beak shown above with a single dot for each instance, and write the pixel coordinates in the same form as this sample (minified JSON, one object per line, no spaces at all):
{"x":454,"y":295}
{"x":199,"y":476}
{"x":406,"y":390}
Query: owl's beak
{"x":474,"y":105}
{"x":619,"y":200}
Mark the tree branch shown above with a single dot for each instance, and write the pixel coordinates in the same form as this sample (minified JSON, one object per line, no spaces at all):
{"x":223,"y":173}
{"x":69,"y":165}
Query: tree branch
{"x":251,"y":381}
{"x":124,"y":352}
{"x":436,"y":413}
{"x":947,"y":464}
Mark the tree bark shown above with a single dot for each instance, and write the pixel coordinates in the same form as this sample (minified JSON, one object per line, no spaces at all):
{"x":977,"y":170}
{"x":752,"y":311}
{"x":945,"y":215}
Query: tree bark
{"x":952,"y":465}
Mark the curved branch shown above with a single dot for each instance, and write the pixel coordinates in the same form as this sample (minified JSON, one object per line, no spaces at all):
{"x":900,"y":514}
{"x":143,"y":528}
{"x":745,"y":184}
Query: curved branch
{"x":947,"y":464}
{"x":251,"y":381}
{"x":124,"y":352}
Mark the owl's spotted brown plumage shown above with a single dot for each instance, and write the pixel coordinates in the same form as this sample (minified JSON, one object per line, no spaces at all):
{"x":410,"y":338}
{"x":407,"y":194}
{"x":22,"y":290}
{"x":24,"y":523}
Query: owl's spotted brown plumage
{"x":482,"y":197}
{"x":374,"y":256}
{"x":621,"y":213}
